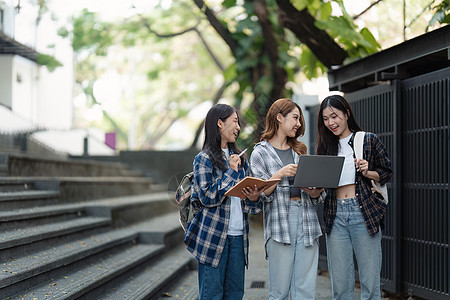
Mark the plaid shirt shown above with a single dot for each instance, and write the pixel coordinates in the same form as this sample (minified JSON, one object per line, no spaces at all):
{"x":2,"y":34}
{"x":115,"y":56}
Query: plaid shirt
{"x":371,"y":204}
{"x":206,"y":234}
{"x":265,"y":162}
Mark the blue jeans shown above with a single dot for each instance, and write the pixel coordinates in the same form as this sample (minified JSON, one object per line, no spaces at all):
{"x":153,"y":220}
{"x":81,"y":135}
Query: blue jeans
{"x":349,"y":234}
{"x":227,"y":280}
{"x":293,"y":268}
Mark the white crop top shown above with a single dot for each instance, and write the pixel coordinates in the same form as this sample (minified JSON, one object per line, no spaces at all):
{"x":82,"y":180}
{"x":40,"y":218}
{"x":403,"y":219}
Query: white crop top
{"x":348,"y":170}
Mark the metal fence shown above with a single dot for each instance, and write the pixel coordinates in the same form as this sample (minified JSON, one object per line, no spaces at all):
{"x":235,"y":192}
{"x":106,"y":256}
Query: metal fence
{"x":412,"y":117}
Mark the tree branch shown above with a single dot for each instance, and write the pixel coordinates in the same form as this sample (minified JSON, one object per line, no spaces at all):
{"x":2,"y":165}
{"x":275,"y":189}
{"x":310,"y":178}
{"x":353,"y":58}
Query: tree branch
{"x":367,"y":9}
{"x":217,"y":25}
{"x":147,"y":25}
{"x":213,"y":56}
{"x":301,"y":23}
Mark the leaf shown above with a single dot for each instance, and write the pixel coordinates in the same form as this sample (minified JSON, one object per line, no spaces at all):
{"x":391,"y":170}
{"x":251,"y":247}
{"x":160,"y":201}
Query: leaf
{"x":309,"y":63}
{"x":371,"y":39}
{"x":49,"y":61}
{"x":340,"y":29}
{"x":314,"y":6}
{"x":300,"y":4}
{"x":229,"y":3}
{"x":230,"y":72}
{"x":325,"y":11}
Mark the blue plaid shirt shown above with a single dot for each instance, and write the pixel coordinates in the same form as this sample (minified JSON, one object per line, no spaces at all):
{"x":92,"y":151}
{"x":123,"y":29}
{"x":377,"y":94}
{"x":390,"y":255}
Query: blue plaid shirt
{"x":371,"y":204}
{"x":206,"y":234}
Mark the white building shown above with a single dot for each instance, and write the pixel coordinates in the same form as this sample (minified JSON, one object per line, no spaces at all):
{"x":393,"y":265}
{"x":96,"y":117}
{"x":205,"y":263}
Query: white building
{"x":31,"y":96}
{"x":28,"y":89}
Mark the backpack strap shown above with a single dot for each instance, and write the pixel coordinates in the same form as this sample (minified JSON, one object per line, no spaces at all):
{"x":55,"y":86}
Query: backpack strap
{"x":358,"y":144}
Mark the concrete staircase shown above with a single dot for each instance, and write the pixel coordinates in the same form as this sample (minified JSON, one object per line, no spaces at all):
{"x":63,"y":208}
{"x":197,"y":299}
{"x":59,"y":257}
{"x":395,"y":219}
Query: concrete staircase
{"x":99,"y":237}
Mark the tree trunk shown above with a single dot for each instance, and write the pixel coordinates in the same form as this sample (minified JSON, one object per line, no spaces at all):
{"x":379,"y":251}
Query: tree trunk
{"x":262,"y":102}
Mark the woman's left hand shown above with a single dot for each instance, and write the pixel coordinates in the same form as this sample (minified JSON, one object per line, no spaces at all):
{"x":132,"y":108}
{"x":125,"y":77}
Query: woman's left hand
{"x":362,"y":166}
{"x":313,"y":192}
{"x":253,"y":194}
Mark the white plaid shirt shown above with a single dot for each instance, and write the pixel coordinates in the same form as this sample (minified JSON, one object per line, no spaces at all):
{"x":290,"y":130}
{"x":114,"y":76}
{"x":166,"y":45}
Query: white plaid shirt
{"x":264,"y":163}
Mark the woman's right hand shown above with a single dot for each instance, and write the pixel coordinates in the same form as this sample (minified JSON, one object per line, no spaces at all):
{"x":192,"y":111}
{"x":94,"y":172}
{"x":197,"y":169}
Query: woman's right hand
{"x":235,"y":162}
{"x":286,"y":171}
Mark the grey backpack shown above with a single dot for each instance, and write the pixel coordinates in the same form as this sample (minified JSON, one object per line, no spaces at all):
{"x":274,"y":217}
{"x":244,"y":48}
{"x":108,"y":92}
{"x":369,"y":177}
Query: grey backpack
{"x":183,"y":198}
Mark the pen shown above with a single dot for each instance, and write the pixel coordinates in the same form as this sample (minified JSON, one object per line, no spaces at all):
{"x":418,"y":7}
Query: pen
{"x":240,"y":154}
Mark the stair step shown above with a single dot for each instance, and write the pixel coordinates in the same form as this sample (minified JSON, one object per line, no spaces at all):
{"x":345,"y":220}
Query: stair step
{"x":20,"y":236}
{"x":129,"y":208}
{"x":147,"y":281}
{"x":8,"y":184}
{"x":3,"y":170}
{"x":126,"y":210}
{"x":184,"y":287}
{"x":26,"y":195}
{"x":39,"y":212}
{"x":16,"y":269}
{"x":30,"y":198}
{"x":76,"y":279}
{"x":164,"y":229}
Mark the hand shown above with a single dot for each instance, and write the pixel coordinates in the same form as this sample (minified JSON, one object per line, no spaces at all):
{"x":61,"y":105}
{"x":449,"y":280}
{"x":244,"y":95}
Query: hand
{"x":235,"y":162}
{"x":288,"y":171}
{"x":253,"y":194}
{"x":313,"y":192}
{"x":362,"y":166}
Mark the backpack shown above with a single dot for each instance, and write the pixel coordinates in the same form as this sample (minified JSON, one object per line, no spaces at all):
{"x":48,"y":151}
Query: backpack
{"x":183,"y":198}
{"x":376,"y":186}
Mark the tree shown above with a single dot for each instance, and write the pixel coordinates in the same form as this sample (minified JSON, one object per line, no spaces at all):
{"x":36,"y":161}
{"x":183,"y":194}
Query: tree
{"x":157,"y":67}
{"x":258,"y":47}
{"x":262,"y":46}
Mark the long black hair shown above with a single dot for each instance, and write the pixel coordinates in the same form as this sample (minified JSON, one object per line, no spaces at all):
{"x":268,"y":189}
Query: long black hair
{"x":327,"y":142}
{"x":212,"y":144}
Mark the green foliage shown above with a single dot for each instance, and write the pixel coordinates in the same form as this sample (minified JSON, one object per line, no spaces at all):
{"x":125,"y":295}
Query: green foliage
{"x":49,"y":61}
{"x":441,"y":15}
{"x":311,"y":66}
{"x":356,"y":43}
{"x":311,"y":5}
{"x":174,"y":72}
{"x":90,"y":33}
{"x":229,"y":3}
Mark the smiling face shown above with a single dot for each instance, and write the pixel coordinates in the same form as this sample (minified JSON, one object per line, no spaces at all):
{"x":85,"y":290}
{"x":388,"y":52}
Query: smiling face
{"x":290,"y":123}
{"x":336,"y":121}
{"x":229,"y":130}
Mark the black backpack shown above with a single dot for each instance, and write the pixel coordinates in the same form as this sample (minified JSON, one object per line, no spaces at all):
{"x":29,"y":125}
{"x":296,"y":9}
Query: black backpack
{"x":183,"y":198}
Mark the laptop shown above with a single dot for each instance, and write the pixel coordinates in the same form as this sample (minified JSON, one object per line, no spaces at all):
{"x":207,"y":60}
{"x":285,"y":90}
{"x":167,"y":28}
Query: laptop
{"x":321,"y":171}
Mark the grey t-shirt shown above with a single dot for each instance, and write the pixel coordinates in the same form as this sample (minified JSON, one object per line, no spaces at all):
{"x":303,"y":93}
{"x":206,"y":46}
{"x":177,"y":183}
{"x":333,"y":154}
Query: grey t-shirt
{"x":287,"y":158}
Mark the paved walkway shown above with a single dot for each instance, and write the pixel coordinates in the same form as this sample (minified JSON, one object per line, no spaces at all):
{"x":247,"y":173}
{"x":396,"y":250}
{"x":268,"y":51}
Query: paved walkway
{"x":258,"y":273}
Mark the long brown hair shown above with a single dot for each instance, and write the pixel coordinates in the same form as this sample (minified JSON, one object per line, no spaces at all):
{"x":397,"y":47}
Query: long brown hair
{"x":284,"y":106}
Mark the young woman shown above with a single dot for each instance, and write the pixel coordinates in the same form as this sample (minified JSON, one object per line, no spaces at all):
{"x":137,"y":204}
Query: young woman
{"x":291,"y":226}
{"x":218,"y":234}
{"x":354,"y":211}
